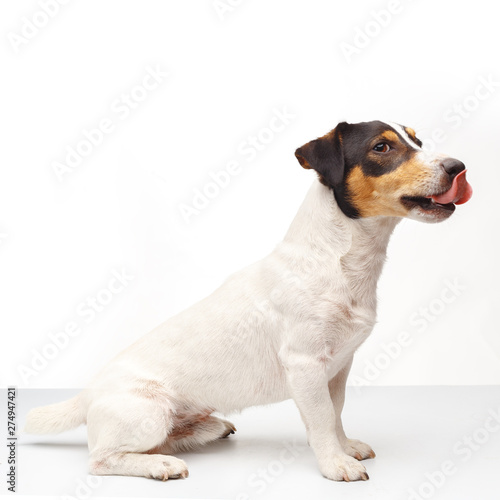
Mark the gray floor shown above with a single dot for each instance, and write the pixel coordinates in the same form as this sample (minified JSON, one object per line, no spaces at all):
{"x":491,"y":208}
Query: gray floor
{"x":415,"y":431}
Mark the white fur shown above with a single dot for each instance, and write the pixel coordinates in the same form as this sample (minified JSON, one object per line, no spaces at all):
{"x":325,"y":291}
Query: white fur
{"x":284,"y":327}
{"x":402,"y":132}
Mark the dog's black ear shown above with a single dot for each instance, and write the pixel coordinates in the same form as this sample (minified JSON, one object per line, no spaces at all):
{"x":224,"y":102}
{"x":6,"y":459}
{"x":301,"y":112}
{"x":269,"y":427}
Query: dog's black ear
{"x":326,"y":156}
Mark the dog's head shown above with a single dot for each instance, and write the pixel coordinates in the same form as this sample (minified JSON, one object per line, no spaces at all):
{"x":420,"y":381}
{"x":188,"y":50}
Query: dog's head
{"x":377,"y":168}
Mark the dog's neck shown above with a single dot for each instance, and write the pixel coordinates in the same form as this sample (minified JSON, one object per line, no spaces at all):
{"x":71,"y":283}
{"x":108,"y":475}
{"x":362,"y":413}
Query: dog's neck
{"x":358,"y":245}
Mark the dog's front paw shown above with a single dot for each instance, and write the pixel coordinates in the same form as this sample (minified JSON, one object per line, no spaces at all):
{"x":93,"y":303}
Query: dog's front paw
{"x":344,"y":468}
{"x":358,"y":449}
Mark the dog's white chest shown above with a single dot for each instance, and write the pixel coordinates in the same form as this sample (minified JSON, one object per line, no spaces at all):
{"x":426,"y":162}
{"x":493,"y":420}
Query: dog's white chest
{"x":353,"y":326}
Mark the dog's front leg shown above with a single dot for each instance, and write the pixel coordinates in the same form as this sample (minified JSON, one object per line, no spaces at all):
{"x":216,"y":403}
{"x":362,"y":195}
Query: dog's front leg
{"x":352,"y":447}
{"x":308,"y":385}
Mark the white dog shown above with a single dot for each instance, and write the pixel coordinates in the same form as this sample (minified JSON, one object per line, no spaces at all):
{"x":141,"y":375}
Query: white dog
{"x":285,"y":327}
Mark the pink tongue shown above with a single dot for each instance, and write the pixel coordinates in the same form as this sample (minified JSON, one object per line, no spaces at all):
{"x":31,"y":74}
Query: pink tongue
{"x":460,"y":191}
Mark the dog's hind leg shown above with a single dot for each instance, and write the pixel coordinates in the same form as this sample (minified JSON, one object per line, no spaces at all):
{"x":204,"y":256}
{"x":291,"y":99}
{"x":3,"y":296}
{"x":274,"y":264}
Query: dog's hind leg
{"x":195,"y":431}
{"x":122,"y":431}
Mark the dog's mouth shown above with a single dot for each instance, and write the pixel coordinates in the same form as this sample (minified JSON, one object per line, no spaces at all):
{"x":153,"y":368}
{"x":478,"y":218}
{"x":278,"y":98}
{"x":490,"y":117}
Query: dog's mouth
{"x":427,"y":204}
{"x":459,"y":192}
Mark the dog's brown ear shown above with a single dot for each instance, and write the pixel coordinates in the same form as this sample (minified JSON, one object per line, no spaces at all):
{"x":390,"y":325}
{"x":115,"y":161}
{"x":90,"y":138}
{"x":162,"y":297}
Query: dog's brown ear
{"x":325,"y":155}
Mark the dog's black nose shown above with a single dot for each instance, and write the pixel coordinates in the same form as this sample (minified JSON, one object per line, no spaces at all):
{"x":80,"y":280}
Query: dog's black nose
{"x":452,"y":166}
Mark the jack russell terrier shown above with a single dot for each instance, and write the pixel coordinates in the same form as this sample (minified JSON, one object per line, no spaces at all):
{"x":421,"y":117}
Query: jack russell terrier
{"x":284,"y":327}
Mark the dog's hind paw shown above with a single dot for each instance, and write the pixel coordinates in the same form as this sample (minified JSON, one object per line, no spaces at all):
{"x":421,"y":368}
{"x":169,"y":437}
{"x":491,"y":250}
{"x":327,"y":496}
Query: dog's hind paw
{"x":230,"y":429}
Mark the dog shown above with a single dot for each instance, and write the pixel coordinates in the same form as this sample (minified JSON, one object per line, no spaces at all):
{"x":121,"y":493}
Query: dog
{"x":284,"y":327}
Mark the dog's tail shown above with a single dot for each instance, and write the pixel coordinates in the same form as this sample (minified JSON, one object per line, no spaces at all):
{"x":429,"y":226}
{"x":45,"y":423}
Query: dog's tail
{"x":55,"y":418}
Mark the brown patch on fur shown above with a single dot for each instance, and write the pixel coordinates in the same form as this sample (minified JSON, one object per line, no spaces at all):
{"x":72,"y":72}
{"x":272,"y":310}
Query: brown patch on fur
{"x":411,"y":132}
{"x":98,"y":466}
{"x":161,"y":449}
{"x":185,"y":425}
{"x":323,"y":359}
{"x":373,"y":196}
{"x":345,"y":310}
{"x":389,"y":135}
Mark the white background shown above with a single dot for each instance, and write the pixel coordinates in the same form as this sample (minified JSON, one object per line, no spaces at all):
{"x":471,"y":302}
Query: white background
{"x":120,"y":208}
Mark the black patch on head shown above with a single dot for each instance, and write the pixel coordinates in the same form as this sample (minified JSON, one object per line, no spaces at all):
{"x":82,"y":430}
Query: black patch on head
{"x":335,"y":154}
{"x":363,"y":137}
{"x":326,"y":156}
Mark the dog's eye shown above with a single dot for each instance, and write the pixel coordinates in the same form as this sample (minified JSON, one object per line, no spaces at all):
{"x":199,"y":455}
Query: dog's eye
{"x":382,"y":147}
